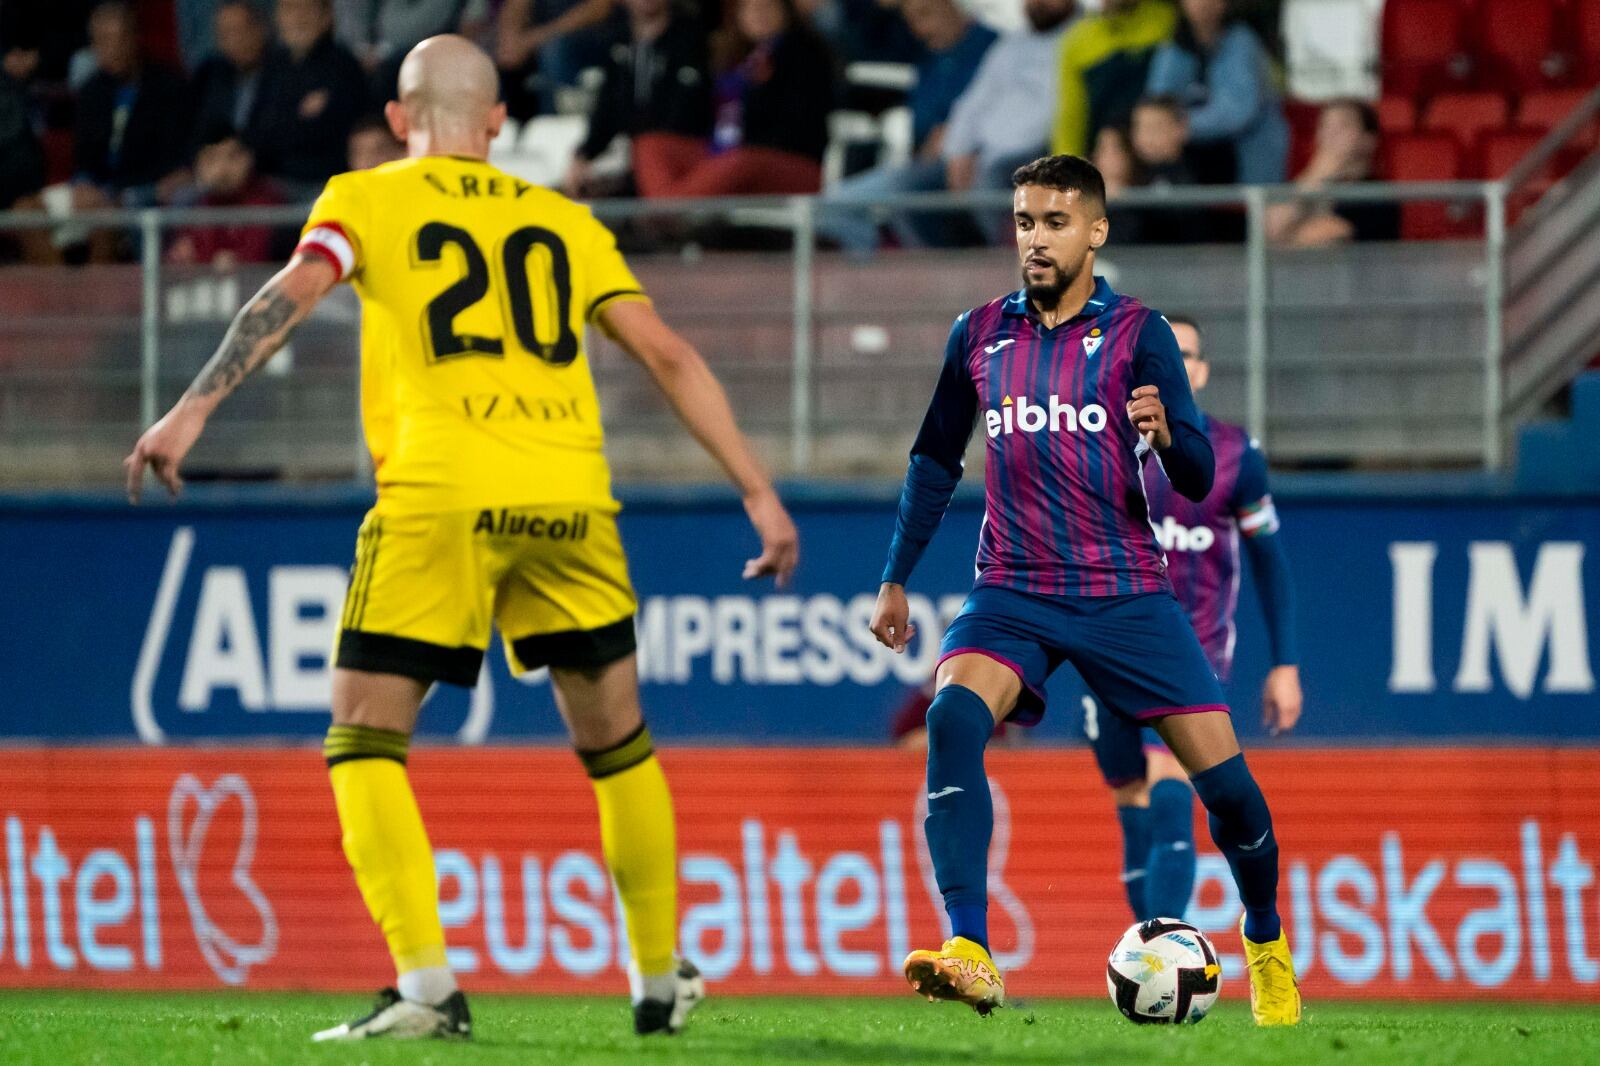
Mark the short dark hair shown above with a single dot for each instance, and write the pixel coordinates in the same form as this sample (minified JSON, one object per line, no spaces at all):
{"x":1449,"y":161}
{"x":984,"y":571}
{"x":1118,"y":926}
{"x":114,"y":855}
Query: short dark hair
{"x":1166,"y":102}
{"x":1365,"y":111}
{"x":1200,"y":334}
{"x":1068,"y":173}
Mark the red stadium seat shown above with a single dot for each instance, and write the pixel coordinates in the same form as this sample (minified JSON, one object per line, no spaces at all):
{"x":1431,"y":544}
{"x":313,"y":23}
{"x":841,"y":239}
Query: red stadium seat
{"x":1518,"y":45}
{"x":1466,"y":115}
{"x":1424,"y":156}
{"x":1397,"y":114}
{"x":1586,"y":36}
{"x":1500,"y":150}
{"x":1423,"y":46}
{"x":1544,"y":110}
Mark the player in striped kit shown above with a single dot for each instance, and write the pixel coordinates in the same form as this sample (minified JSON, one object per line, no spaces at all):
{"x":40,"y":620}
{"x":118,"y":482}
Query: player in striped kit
{"x":1075,"y":387}
{"x":1202,"y":540}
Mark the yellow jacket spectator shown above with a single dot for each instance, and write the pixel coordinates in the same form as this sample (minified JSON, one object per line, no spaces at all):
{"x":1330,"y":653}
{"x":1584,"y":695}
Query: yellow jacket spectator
{"x":1104,"y":59}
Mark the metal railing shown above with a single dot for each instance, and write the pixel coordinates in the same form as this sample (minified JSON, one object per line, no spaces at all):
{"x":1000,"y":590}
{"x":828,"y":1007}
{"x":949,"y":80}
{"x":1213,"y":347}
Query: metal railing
{"x":1552,"y":268}
{"x":1286,"y":326}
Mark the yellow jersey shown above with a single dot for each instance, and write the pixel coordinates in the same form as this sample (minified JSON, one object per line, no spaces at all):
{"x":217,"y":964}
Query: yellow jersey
{"x":475,"y":287}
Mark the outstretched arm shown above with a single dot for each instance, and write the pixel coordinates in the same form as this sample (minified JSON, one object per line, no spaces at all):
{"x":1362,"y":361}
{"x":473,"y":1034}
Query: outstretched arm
{"x":260,"y":328}
{"x":937,"y":461}
{"x":1253,"y":509}
{"x":701,"y":405}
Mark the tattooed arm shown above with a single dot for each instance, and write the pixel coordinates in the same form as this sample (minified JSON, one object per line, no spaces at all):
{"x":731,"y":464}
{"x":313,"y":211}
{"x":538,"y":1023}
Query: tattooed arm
{"x":260,"y":328}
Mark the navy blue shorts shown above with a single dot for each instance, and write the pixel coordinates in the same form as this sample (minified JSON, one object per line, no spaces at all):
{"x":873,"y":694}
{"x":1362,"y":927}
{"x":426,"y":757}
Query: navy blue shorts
{"x":1121,"y":747}
{"x":1137,"y":653}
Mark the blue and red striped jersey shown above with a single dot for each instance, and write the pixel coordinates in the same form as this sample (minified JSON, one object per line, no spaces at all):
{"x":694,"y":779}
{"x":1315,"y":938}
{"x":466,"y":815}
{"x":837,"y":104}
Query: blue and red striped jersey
{"x":1065,"y":509}
{"x":1202,"y":538}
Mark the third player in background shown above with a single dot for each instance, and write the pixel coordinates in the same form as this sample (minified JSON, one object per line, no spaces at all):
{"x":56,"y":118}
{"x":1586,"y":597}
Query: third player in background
{"x":1155,"y":805}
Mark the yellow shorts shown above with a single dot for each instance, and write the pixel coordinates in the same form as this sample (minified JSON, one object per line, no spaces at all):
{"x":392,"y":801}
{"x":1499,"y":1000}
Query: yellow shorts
{"x":425,"y":590}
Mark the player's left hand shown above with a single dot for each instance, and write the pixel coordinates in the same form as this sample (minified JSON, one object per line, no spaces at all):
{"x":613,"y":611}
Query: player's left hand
{"x":1281,"y":699}
{"x":780,"y":541}
{"x":162,"y":449}
{"x":1149,"y":416}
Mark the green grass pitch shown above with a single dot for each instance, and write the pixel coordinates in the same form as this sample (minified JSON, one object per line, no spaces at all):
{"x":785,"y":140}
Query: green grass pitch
{"x":132,"y":1029}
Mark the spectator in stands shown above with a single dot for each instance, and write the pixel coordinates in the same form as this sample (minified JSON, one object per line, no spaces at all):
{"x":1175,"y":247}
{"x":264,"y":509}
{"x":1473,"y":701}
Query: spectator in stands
{"x":373,"y":143}
{"x":771,"y":102}
{"x":1113,"y":157}
{"x":956,"y":45}
{"x":22,"y":162}
{"x":128,"y":141}
{"x":997,"y":124}
{"x":1159,"y":137}
{"x":868,"y":31}
{"x":51,"y":31}
{"x":225,"y":176}
{"x":1346,"y":151}
{"x":1219,"y":69}
{"x":195,"y":23}
{"x":311,"y":96}
{"x":381,"y":32}
{"x":657,"y":90}
{"x":129,"y":145}
{"x":1105,"y":60}
{"x":227,"y":86}
{"x":541,"y":45}
{"x":955,"y":48}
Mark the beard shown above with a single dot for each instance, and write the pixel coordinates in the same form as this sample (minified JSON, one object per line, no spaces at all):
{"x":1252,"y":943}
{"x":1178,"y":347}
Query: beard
{"x":1046,"y":293}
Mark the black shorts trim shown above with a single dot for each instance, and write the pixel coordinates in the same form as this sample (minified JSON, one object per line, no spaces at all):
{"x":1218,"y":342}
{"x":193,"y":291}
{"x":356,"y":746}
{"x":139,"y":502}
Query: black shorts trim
{"x":380,"y":653}
{"x":578,"y":649}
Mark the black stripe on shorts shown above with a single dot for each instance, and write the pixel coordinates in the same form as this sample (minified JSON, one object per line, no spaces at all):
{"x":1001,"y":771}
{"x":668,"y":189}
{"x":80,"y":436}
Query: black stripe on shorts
{"x":578,"y":649}
{"x":380,"y":653}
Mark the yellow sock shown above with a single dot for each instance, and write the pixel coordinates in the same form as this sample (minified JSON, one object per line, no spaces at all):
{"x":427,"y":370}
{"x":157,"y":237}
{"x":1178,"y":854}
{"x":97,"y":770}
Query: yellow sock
{"x":640,"y":844}
{"x":385,"y":841}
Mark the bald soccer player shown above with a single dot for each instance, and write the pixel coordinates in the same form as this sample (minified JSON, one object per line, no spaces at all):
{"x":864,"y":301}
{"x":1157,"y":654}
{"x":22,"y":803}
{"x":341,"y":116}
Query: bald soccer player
{"x":494,"y":506}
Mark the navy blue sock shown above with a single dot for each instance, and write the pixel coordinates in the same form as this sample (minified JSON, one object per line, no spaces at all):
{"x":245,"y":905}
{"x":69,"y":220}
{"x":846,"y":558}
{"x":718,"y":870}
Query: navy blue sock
{"x":1135,"y":850}
{"x":1241,"y":825}
{"x":960,"y":813}
{"x":1170,"y":865}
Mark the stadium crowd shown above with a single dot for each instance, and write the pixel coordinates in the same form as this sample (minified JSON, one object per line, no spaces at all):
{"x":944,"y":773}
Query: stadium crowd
{"x":243,"y":102}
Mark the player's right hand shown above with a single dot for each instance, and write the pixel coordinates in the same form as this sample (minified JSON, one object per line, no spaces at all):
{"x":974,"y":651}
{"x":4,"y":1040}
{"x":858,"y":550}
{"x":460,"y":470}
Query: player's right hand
{"x":162,"y":449}
{"x":780,"y":541}
{"x":891,"y":618}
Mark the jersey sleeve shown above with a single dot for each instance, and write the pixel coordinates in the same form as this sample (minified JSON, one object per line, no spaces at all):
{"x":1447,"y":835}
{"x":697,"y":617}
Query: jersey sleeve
{"x":607,"y":276}
{"x":936,"y":459}
{"x":1258,"y":520}
{"x":1252,"y":499}
{"x":340,"y":222}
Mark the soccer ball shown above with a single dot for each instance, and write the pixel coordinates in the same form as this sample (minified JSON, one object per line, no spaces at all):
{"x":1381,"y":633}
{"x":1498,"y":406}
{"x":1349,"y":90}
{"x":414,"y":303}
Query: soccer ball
{"x":1163,"y":972}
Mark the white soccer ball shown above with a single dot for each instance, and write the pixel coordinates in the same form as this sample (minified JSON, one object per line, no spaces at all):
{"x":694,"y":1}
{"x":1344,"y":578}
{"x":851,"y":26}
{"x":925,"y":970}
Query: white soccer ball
{"x":1162,"y":972}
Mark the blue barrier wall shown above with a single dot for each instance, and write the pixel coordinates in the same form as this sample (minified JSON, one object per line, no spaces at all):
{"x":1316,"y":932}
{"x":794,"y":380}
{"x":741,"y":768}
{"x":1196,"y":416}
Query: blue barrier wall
{"x":1457,"y":616}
